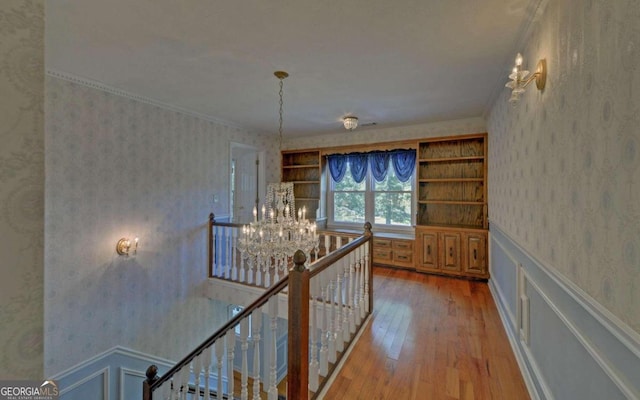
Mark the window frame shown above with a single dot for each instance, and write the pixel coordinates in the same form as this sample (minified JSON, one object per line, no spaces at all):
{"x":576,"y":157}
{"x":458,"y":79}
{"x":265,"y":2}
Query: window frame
{"x":369,"y":201}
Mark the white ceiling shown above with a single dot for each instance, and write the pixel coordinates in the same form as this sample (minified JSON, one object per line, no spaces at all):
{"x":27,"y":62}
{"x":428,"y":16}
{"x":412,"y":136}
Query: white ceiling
{"x":393,"y":62}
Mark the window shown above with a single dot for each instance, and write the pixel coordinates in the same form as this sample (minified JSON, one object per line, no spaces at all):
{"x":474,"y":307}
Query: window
{"x":380,"y":197}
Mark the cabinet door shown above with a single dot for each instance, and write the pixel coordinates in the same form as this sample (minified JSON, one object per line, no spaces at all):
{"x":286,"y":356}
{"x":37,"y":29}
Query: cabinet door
{"x":475,"y":257}
{"x":450,"y":251}
{"x":428,"y":250}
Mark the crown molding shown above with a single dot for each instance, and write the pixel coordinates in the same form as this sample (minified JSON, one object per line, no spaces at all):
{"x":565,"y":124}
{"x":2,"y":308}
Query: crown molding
{"x":123,"y":93}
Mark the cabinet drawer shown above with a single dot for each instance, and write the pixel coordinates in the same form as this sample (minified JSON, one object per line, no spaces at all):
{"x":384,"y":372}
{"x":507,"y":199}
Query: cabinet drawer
{"x":402,"y":245}
{"x":403,"y":257}
{"x":381,"y":254}
{"x":382,"y":243}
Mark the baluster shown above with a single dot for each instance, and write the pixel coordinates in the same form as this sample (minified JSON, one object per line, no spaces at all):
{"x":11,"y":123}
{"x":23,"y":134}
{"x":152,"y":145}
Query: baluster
{"x":267,"y":274}
{"x":197,"y":369}
{"x":244,"y":333}
{"x":234,"y":254}
{"x":367,"y":271}
{"x":257,"y":277}
{"x":338,"y":242}
{"x":255,"y":338}
{"x":331,"y":316}
{"x":324,"y":349}
{"x":175,"y":387}
{"x":337,"y":270}
{"x":184,"y":383}
{"x":214,"y":243}
{"x":363,"y":267}
{"x":218,"y":260}
{"x":228,"y":241}
{"x":313,"y":364}
{"x":345,"y":291}
{"x":219,"y":349}
{"x":231,"y":351}
{"x":206,"y":361}
{"x":356,"y":286}
{"x":273,"y":373}
{"x":352,"y":264}
{"x":327,"y":244}
{"x":165,"y":390}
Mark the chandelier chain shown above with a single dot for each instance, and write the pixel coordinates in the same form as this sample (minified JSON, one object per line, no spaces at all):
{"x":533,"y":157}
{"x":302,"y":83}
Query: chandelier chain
{"x":281,"y":107}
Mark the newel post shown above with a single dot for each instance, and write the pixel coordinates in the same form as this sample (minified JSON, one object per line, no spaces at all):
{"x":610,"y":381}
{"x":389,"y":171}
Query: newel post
{"x":369,"y":273}
{"x":152,"y":376}
{"x":210,"y":242}
{"x":298,"y":336}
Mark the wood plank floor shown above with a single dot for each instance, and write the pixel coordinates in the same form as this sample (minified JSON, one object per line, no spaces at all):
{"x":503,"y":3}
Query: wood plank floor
{"x":430,"y":337}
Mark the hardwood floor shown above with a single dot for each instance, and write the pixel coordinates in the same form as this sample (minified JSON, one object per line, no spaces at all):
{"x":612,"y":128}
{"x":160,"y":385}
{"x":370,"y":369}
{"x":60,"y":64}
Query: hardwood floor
{"x":430,"y":337}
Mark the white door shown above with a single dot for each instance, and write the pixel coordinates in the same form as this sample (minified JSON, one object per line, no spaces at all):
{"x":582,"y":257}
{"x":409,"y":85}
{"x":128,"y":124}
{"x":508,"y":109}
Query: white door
{"x":246,"y":177}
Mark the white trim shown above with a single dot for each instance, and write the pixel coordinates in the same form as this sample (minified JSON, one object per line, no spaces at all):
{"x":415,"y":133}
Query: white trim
{"x":618,"y":328}
{"x":105,"y":381}
{"x":548,"y":395}
{"x":114,"y":350}
{"x":123,"y":93}
{"x":602,"y":362}
{"x":526,"y":375}
{"x":343,"y":360}
{"x":126,"y":371}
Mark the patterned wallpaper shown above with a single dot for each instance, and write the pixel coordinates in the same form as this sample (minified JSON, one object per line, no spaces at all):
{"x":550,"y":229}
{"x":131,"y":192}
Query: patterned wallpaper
{"x":21,"y":188}
{"x":564,"y":164}
{"x":119,"y":167}
{"x":378,"y":135}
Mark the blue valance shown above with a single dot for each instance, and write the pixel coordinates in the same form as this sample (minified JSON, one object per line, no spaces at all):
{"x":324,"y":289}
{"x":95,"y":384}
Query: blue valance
{"x":337,"y":166}
{"x":358,"y":165}
{"x":379,"y":162}
{"x":403,"y":162}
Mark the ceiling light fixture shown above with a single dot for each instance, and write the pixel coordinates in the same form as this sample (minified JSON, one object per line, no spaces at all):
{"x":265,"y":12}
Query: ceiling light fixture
{"x":350,"y":122}
{"x":519,"y":80}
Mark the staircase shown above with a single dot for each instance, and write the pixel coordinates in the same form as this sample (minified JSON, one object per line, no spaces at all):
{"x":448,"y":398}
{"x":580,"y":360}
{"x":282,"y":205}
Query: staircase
{"x":328,"y":299}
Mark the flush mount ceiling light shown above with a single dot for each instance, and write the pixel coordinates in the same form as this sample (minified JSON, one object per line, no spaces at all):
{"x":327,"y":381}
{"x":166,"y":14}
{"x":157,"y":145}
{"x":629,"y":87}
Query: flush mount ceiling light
{"x":519,"y":79}
{"x":350,"y":122}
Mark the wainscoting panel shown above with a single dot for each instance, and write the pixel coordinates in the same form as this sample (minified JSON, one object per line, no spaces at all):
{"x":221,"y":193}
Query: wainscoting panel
{"x":116,"y":374}
{"x":568,"y":346}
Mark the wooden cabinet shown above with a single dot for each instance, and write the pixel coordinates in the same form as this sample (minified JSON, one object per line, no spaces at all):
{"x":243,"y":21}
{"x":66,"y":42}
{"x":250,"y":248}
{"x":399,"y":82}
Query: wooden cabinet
{"x":304,"y":169}
{"x":452,"y":252}
{"x":452,"y":206}
{"x":393,"y":250}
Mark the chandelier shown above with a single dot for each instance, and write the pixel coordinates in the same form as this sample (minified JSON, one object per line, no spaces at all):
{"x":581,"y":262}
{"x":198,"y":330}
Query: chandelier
{"x":350,"y":122}
{"x":273,"y":239}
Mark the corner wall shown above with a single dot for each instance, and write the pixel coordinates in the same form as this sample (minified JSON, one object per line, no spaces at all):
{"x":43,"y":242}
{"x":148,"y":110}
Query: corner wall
{"x":120,"y":167}
{"x":564,"y":178}
{"x":21,"y":188}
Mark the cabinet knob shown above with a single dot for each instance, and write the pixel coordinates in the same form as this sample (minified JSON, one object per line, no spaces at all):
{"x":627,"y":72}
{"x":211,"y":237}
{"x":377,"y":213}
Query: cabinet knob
{"x":450,"y":251}
{"x":475,"y":254}
{"x":429,"y":249}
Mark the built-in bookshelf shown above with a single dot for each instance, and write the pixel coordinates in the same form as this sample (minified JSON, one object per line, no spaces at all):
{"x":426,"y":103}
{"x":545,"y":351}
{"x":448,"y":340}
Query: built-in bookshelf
{"x":452,"y":205}
{"x":304,"y":169}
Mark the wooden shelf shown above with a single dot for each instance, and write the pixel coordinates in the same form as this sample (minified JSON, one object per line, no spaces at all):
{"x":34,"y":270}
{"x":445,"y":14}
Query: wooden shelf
{"x":299,"y":166}
{"x":449,"y":159}
{"x":447,"y":180}
{"x":472,"y":203}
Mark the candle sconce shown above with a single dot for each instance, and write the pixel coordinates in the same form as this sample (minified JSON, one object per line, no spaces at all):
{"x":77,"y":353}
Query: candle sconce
{"x":124,"y":247}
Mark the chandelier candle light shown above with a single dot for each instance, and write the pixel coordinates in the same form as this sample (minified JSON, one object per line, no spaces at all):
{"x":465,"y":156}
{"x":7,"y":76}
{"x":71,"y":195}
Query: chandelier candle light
{"x":273,"y":239}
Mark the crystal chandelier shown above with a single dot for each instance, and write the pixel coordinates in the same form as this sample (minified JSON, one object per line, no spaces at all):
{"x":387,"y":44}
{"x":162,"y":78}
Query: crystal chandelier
{"x":273,"y":239}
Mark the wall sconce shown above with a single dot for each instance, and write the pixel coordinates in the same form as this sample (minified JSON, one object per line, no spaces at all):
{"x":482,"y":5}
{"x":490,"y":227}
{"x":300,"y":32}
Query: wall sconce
{"x":519,"y":79}
{"x":350,"y":122}
{"x":123,"y":247}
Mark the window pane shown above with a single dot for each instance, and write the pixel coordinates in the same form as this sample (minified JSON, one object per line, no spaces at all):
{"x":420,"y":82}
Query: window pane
{"x":391,"y":183}
{"x":348,"y":206}
{"x":392,"y":208}
{"x":347,"y":183}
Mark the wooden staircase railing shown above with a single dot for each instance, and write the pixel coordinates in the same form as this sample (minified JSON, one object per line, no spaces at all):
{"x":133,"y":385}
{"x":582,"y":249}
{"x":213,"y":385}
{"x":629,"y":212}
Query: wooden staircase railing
{"x":328,"y":302}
